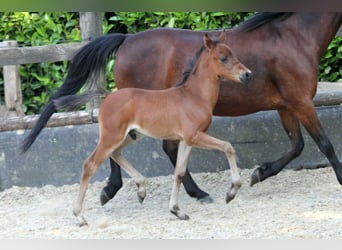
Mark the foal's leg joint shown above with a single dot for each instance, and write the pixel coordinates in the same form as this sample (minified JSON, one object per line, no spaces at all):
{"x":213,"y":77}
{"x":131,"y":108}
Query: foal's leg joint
{"x":81,"y":220}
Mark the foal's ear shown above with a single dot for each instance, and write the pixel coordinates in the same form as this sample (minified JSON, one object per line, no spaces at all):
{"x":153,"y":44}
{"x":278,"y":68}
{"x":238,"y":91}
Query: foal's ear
{"x":222,"y":36}
{"x":208,"y":43}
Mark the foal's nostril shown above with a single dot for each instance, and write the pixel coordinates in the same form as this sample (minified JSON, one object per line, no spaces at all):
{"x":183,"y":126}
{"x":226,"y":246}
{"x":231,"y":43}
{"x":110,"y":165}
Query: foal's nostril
{"x":246,"y":76}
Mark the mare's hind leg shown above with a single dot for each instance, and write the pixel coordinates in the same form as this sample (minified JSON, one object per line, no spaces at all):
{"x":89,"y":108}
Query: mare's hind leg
{"x":114,"y":183}
{"x":131,"y":171}
{"x":180,"y":170}
{"x":171,"y":149}
{"x":292,"y":128}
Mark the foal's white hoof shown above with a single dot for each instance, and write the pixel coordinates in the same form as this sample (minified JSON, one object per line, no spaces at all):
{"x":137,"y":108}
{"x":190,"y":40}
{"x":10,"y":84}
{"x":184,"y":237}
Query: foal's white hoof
{"x":141,"y":195}
{"x":176,"y":211}
{"x":81,"y":220}
{"x":233,"y":191}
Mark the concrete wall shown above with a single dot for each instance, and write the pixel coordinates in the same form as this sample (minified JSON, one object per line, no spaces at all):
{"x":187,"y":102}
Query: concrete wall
{"x":57,"y":155}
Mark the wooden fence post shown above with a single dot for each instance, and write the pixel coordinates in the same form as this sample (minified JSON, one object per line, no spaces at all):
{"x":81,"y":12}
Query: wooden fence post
{"x":12,"y":86}
{"x":91,"y":27}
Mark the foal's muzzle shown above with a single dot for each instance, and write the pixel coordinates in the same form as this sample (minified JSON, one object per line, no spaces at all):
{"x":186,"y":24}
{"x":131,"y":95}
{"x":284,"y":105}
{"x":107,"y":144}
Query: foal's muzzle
{"x":246,"y":76}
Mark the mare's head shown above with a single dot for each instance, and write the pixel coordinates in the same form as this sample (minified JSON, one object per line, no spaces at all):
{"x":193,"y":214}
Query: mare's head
{"x":223,"y":62}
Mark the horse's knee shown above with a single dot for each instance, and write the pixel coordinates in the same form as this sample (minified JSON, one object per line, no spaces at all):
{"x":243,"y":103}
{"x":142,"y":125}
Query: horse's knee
{"x":228,"y":148}
{"x":179,"y":174}
{"x":89,"y":169}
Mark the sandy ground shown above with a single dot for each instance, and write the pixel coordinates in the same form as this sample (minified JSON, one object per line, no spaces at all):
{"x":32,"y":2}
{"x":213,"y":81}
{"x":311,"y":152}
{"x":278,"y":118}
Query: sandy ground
{"x":294,"y":204}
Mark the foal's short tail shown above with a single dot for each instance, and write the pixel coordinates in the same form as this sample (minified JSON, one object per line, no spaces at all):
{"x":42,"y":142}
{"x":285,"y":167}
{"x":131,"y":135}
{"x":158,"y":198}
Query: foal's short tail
{"x":85,"y":67}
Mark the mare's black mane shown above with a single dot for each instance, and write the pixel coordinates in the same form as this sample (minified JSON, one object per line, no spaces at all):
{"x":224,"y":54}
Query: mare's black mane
{"x":252,"y":23}
{"x":262,"y":18}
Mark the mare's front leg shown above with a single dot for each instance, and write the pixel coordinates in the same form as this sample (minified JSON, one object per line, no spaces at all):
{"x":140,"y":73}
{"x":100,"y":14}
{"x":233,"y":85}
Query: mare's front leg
{"x":291,"y":125}
{"x":171,"y":149}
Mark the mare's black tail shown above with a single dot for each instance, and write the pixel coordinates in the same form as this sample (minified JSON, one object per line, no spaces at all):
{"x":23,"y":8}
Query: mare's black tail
{"x":74,"y":102}
{"x":86,"y":65}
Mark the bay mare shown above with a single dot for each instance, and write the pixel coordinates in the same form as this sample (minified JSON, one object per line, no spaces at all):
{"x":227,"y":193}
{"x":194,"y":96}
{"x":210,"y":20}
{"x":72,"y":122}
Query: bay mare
{"x":283,"y":50}
{"x":181,"y":113}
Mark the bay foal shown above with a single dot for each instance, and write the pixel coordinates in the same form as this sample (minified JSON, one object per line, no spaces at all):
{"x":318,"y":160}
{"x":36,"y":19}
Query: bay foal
{"x":181,"y":113}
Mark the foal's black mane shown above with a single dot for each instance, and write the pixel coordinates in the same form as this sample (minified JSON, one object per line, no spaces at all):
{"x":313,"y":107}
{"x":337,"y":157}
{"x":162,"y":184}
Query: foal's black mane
{"x":260,"y":19}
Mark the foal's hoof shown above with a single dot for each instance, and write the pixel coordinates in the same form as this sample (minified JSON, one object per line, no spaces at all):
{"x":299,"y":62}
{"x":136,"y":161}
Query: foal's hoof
{"x":180,"y":215}
{"x":255,"y":178}
{"x":176,"y":211}
{"x":206,"y":200}
{"x":141,"y":195}
{"x":81,"y":220}
{"x":229,"y":197}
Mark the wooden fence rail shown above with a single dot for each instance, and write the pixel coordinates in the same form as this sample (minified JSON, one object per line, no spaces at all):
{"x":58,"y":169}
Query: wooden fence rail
{"x":11,"y":56}
{"x":36,"y":54}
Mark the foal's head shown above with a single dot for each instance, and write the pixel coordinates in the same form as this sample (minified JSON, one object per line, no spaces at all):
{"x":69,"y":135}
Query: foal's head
{"x":221,"y":60}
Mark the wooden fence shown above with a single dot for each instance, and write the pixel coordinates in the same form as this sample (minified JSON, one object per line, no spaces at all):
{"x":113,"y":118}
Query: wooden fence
{"x":11,"y":56}
{"x":11,"y":115}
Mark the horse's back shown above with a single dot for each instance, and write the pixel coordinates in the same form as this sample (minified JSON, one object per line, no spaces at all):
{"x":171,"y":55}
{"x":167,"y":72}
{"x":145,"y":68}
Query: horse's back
{"x":155,"y":59}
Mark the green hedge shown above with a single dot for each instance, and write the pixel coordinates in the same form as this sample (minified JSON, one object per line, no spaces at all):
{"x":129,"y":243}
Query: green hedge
{"x":40,"y":80}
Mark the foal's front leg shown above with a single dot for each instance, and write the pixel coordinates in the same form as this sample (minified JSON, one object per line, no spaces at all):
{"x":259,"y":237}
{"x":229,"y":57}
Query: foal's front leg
{"x":180,"y":170}
{"x":203,"y":140}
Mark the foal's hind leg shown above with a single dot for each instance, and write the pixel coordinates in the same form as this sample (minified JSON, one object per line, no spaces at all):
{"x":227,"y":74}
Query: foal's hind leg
{"x":132,"y":172}
{"x":292,"y":128}
{"x":171,"y":149}
{"x":90,"y":166}
{"x":115,"y":179}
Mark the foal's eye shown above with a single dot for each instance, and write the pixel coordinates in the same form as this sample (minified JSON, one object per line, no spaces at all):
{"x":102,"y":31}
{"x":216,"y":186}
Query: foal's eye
{"x":223,"y":58}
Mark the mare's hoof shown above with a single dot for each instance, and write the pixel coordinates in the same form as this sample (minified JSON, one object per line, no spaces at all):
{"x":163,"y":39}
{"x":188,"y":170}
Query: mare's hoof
{"x":105,"y":197}
{"x":255,"y":178}
{"x":206,"y":200}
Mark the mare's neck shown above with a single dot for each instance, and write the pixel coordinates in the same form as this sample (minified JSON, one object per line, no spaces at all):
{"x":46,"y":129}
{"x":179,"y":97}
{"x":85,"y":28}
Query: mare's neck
{"x":316,"y":28}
